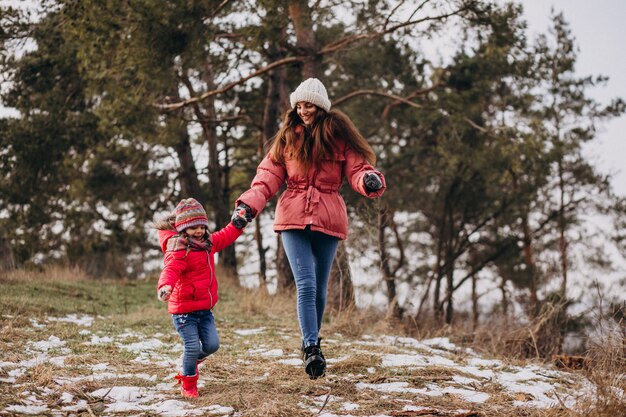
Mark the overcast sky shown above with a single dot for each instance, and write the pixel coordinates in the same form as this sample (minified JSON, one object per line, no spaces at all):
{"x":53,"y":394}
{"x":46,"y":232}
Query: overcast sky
{"x":600,"y":31}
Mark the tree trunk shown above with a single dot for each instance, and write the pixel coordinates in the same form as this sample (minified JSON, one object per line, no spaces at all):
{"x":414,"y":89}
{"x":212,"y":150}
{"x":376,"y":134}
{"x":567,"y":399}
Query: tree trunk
{"x":441,"y":263}
{"x":449,"y":293}
{"x":474,"y":303}
{"x":188,"y":175}
{"x":562,"y":238}
{"x":437,"y":308}
{"x":306,"y":43}
{"x":219,"y":196}
{"x":276,"y":100}
{"x":504,"y":303}
{"x":300,"y":15}
{"x":285,"y":276}
{"x":7,"y":260}
{"x":449,"y":257}
{"x":262,"y":250}
{"x":529,"y":260}
{"x":340,"y":294}
{"x":393,"y":308}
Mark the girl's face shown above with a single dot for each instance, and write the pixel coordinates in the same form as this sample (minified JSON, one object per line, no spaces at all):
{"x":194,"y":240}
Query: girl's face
{"x":196,"y":232}
{"x":306,"y":111}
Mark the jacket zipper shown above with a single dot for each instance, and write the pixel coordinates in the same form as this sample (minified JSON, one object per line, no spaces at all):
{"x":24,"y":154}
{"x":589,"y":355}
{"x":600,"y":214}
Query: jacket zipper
{"x":208,"y":259}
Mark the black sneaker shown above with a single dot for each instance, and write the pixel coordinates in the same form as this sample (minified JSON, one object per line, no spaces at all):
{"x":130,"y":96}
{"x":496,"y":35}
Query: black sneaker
{"x":319,"y":345}
{"x":314,"y":362}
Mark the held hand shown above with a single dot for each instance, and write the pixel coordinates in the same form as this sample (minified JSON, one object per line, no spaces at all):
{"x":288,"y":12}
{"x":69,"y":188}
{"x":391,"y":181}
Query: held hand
{"x":241,"y":216}
{"x":372,"y":182}
{"x":164,"y":292}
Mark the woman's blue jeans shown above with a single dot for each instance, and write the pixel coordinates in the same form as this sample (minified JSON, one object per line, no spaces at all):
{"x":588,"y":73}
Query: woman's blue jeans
{"x":310,"y":256}
{"x":197,"y":329}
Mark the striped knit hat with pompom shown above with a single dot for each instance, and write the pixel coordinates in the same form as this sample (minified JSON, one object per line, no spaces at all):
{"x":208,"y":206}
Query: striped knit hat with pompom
{"x":190,"y":213}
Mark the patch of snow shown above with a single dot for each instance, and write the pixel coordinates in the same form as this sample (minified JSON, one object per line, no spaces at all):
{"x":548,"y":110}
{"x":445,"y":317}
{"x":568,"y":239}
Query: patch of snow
{"x":338,"y":359}
{"x":484,"y":362}
{"x":46,"y":345}
{"x":83,"y":320}
{"x":391,"y":387}
{"x":99,"y":367}
{"x":481,"y":373}
{"x":349,"y":407}
{"x":58,"y":361}
{"x":17,"y":372}
{"x":293,"y":362}
{"x":175,"y":408}
{"x":262,"y":377}
{"x":393,"y":360}
{"x":248,"y":332}
{"x":97,"y":340}
{"x":27,"y":409}
{"x":415,"y":408}
{"x":468,"y":395}
{"x":80,"y":405}
{"x":149,"y":344}
{"x":442,"y":342}
{"x":66,"y":398}
{"x":273,"y":353}
{"x":463,"y":380}
{"x":36,"y":324}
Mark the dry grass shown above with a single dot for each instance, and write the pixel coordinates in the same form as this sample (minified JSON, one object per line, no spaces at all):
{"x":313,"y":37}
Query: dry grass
{"x":49,"y":273}
{"x":255,"y":385}
{"x":607,"y":372}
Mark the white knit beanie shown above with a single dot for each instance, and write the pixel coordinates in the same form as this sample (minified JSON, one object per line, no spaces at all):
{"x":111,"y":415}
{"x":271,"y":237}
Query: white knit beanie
{"x":313,"y":91}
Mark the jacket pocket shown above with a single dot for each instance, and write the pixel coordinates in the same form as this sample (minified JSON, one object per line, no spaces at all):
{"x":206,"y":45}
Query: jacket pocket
{"x":201,"y":289}
{"x":185,"y":293}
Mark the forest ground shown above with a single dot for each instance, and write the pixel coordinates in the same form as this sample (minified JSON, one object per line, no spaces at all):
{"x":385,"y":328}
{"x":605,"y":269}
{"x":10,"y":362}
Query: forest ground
{"x":74,"y":346}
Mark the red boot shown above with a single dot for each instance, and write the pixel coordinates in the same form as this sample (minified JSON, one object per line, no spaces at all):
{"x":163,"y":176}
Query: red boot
{"x":189,"y":388}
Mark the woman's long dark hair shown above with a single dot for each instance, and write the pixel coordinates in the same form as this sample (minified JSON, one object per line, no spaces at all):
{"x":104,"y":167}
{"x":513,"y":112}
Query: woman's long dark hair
{"x":309,"y":145}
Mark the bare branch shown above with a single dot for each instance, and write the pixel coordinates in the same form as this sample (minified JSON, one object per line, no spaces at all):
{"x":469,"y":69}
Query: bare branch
{"x":417,"y":93}
{"x":330,"y":48}
{"x":418,"y":9}
{"x":219,"y":8}
{"x":375,"y":93}
{"x":475,"y":126}
{"x":341,"y":43}
{"x":392,"y":12}
{"x":227,"y":87}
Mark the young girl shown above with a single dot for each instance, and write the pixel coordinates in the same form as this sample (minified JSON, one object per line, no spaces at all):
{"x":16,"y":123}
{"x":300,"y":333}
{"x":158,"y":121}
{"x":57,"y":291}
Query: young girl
{"x":315,"y":149}
{"x":188,"y":282}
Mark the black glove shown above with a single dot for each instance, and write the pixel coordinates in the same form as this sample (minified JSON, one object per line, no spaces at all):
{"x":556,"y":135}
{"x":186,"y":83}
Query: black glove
{"x":372,"y":182}
{"x":241,"y":216}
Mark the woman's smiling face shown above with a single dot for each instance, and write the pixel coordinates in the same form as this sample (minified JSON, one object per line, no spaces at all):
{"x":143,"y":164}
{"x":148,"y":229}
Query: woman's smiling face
{"x":306,"y":111}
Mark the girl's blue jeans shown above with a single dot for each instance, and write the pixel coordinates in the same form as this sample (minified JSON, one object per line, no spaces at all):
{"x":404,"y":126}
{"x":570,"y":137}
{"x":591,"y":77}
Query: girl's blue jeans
{"x":199,"y":335}
{"x":310,"y":256}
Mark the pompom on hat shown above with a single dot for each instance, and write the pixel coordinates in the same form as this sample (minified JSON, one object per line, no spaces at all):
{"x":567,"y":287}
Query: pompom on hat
{"x":313,"y":91}
{"x":190,"y":213}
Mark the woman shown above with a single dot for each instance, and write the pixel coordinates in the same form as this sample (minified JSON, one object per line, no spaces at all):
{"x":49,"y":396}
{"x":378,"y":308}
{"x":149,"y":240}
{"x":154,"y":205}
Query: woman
{"x":312,"y":152}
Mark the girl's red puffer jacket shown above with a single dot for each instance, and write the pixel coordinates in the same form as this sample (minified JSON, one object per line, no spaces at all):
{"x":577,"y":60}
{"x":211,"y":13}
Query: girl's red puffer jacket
{"x":192,"y":274}
{"x":311,"y":198}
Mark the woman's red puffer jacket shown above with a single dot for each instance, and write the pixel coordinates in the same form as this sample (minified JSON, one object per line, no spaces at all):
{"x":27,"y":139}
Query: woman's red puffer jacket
{"x":312,"y":198}
{"x":192,"y":274}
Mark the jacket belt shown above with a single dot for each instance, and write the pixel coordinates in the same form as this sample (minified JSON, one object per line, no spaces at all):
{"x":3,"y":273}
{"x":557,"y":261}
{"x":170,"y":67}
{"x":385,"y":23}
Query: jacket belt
{"x":327,"y":189}
{"x":312,"y":194}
